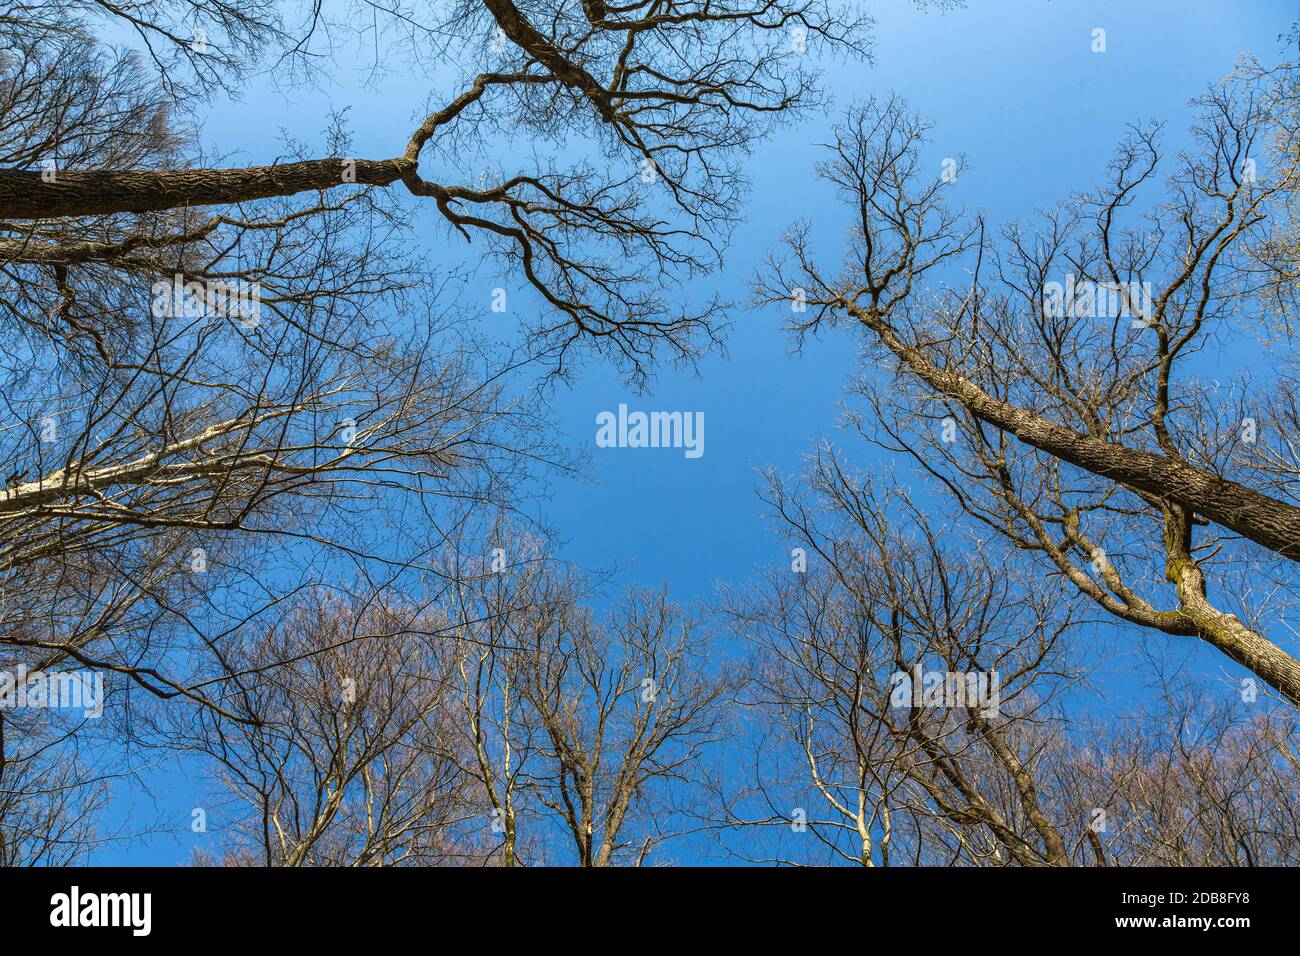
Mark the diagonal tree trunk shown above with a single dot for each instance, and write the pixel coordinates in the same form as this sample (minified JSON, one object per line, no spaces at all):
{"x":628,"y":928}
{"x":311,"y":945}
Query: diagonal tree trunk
{"x":1268,"y":522}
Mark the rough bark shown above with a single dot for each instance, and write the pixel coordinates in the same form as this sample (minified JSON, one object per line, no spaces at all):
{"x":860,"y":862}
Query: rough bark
{"x":25,"y":195}
{"x":1268,"y":522}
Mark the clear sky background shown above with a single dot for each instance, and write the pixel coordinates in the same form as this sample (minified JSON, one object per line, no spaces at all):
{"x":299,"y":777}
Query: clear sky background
{"x":1012,"y":84}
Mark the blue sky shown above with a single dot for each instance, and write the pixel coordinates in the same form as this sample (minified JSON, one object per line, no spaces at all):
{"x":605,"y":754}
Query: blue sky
{"x":1014,"y":85}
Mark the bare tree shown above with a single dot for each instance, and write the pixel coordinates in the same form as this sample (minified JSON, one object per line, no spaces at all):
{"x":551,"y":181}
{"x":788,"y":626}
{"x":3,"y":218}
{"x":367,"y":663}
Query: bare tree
{"x":225,"y":384}
{"x":627,"y":709}
{"x":588,"y":736}
{"x":1193,"y":779}
{"x":336,"y":741}
{"x":913,"y":678}
{"x":918,"y":699}
{"x":50,"y":794}
{"x":497,"y":600}
{"x":672,"y":94}
{"x":1079,"y":426}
